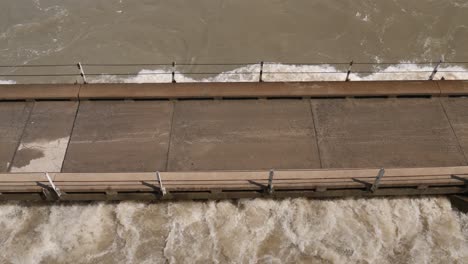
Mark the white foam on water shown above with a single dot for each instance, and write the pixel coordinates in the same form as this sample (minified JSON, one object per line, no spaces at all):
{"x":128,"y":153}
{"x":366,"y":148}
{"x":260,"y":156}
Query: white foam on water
{"x":398,"y":230}
{"x":7,"y":82}
{"x":277,"y":72}
{"x":125,"y":213}
{"x":55,"y":234}
{"x":242,"y":74}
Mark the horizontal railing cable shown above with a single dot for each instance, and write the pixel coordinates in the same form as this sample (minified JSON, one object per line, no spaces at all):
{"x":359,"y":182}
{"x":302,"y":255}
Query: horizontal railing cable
{"x":222,"y":73}
{"x":40,"y":75}
{"x":177,"y":69}
{"x":228,"y":64}
{"x":124,"y":64}
{"x":37,"y":65}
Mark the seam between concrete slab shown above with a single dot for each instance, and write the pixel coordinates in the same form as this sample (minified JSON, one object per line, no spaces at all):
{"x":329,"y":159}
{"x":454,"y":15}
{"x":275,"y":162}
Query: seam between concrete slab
{"x":453,"y":130}
{"x":22,"y":134}
{"x":174,"y":104}
{"x":79,"y":92}
{"x":71,"y":136}
{"x":315,"y":132}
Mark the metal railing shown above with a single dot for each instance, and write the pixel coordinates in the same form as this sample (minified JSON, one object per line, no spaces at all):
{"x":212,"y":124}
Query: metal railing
{"x":56,"y":186}
{"x":173,"y":69}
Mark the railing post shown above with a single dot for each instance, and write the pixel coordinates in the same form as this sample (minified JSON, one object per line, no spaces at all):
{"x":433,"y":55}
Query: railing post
{"x":80,"y":67}
{"x":375,"y":186}
{"x":270,"y":181}
{"x":435,"y":70}
{"x":56,"y":190}
{"x":349,"y":71}
{"x":456,"y":177}
{"x":161,"y":187}
{"x":173,"y":72}
{"x":260,"y":79}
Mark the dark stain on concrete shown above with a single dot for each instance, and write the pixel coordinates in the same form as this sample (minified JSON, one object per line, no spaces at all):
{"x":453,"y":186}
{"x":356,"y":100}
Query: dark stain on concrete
{"x":25,"y":156}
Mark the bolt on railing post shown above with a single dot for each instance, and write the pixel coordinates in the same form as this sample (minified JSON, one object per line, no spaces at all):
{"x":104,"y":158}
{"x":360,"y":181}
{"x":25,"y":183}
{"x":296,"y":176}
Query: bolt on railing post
{"x":161,"y":187}
{"x":261,"y":72}
{"x":56,"y":190}
{"x":435,"y":70}
{"x":349,"y":71}
{"x":80,"y":67}
{"x":173,"y":72}
{"x":375,"y":186}
{"x":270,"y":181}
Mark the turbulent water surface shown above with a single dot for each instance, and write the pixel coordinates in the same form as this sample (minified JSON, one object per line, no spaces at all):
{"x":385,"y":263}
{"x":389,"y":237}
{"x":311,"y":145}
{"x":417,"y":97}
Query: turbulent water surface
{"x":45,"y":31}
{"x":403,"y":230}
{"x":232,"y":31}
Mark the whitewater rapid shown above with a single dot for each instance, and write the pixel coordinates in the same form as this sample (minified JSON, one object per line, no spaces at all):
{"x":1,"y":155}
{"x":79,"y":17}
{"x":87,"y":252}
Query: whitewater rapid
{"x":397,"y":230}
{"x":279,"y":72}
{"x":273,"y":72}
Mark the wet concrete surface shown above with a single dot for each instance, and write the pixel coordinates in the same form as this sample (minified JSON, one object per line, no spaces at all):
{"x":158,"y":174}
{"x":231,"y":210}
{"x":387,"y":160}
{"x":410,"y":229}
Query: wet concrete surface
{"x":457,"y":112}
{"x":385,"y":133}
{"x":242,"y":135}
{"x":120,"y":136}
{"x":150,"y":135}
{"x":45,"y":138}
{"x":13,"y":118}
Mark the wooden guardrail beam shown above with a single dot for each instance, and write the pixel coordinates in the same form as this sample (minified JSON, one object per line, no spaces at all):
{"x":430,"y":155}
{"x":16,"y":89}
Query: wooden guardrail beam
{"x":231,"y":90}
{"x":39,"y":92}
{"x":453,"y":88}
{"x":263,"y":89}
{"x":237,"y":181}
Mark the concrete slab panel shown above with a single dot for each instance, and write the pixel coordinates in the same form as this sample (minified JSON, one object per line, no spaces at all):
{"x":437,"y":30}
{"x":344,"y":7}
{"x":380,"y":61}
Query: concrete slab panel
{"x":243,"y":134}
{"x":385,"y":133}
{"x":120,"y":136}
{"x":457,"y":112}
{"x":13,"y":117}
{"x":45,"y":139}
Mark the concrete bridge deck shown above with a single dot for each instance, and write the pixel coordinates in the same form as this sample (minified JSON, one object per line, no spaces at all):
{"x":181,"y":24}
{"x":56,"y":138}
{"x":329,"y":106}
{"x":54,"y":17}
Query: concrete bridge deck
{"x":175,"y":128}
